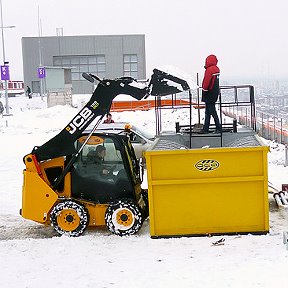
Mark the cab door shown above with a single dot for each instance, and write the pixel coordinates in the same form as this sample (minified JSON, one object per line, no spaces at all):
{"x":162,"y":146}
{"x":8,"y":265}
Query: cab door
{"x":88,"y":180}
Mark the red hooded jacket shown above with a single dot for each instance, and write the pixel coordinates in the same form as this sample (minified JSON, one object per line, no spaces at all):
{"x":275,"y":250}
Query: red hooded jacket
{"x":210,"y":84}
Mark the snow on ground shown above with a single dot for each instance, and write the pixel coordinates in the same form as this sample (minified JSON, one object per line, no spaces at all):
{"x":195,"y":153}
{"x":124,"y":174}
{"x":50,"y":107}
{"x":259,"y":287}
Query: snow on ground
{"x":33,"y":256}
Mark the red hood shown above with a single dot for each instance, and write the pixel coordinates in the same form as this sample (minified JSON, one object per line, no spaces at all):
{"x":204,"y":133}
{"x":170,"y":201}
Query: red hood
{"x":211,"y":60}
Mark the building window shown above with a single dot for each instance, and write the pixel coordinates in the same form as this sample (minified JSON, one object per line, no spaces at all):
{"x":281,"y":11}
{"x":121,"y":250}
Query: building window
{"x":94,"y":64}
{"x":131,"y":65}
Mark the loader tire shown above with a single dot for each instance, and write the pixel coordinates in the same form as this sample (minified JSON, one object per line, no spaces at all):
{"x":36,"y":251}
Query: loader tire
{"x":123,"y":217}
{"x":69,"y":218}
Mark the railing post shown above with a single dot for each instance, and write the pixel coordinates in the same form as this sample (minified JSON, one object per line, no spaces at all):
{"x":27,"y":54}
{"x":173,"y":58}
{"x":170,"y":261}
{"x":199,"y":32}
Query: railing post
{"x":274,"y":127}
{"x":177,"y":126}
{"x":246,"y":118}
{"x":281,"y":131}
{"x":234,"y":125}
{"x":286,"y":156}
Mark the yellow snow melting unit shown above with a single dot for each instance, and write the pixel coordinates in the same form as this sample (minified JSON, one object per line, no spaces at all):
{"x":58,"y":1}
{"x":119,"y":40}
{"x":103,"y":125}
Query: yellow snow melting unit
{"x":208,"y":191}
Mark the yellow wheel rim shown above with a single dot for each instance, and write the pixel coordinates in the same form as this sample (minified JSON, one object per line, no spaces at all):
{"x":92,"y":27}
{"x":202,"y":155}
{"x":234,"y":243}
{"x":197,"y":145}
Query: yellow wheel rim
{"x":124,"y":217}
{"x":68,"y":220}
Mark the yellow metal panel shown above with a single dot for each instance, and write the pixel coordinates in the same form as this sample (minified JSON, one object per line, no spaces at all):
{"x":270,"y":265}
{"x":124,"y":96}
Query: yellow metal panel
{"x":179,"y":164}
{"x":206,"y":191}
{"x":37,"y":197}
{"x":67,"y":186}
{"x":96,"y":213}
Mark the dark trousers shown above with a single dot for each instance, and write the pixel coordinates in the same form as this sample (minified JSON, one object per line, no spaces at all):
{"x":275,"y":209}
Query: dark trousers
{"x":210,"y":110}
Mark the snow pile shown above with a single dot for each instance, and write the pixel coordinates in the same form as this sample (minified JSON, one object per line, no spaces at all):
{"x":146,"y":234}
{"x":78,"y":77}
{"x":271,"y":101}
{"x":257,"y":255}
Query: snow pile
{"x":277,"y":155}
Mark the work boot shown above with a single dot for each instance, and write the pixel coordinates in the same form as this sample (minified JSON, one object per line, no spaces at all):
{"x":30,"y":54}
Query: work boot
{"x":217,"y":131}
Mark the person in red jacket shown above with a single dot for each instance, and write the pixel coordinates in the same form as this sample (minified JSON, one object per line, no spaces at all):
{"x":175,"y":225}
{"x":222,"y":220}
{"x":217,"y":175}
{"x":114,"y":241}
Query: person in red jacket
{"x":210,"y":92}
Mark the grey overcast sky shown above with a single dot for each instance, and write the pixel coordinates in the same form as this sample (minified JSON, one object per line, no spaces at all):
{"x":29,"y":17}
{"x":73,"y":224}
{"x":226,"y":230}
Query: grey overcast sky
{"x":249,"y":37}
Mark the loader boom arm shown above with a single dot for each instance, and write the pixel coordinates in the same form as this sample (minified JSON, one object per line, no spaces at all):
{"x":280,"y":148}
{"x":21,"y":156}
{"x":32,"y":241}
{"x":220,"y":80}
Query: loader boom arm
{"x":99,"y":105}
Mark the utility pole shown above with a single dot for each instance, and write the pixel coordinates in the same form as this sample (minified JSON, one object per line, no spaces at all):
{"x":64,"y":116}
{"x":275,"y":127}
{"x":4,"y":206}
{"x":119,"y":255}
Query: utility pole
{"x":5,"y":68}
{"x":40,"y":51}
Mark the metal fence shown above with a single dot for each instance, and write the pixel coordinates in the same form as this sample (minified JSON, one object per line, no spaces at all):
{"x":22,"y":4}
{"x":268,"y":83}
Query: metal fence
{"x":268,"y":126}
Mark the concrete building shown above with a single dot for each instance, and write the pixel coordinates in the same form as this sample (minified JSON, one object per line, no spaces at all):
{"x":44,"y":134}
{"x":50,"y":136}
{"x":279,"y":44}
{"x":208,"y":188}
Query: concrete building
{"x":108,"y":56}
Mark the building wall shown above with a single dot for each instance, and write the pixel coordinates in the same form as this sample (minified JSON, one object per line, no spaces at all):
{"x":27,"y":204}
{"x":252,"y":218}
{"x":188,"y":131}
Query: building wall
{"x":113,"y":47}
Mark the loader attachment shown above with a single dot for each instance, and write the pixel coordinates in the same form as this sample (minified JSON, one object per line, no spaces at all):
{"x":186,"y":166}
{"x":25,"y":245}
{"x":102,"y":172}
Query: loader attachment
{"x":164,"y":84}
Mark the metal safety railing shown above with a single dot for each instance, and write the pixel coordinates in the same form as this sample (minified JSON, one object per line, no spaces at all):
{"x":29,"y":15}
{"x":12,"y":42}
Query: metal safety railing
{"x":231,"y":100}
{"x":235,"y":99}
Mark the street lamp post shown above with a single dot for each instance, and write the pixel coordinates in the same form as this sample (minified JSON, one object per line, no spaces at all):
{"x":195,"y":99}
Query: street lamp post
{"x":4,"y":60}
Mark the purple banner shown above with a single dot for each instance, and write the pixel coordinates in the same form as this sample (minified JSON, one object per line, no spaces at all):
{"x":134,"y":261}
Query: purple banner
{"x":41,"y":72}
{"x":5,"y":72}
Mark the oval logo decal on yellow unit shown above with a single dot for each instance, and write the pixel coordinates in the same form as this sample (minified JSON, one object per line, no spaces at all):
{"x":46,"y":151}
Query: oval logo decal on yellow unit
{"x":207,"y":165}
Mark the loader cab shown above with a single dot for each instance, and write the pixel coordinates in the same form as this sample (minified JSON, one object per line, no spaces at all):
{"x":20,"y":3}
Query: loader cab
{"x":106,"y":169}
